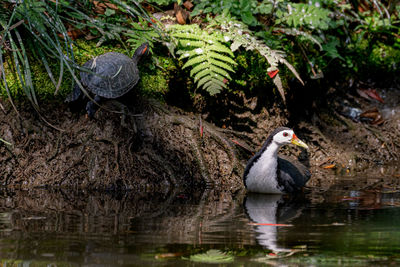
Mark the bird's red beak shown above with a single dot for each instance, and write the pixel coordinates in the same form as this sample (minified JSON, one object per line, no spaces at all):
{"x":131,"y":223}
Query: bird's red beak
{"x":296,"y":141}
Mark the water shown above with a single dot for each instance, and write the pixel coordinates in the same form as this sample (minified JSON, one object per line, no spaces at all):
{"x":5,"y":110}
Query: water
{"x":346,"y":227}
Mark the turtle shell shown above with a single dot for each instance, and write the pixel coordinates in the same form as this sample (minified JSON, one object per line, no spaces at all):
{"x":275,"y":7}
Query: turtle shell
{"x":111,"y":75}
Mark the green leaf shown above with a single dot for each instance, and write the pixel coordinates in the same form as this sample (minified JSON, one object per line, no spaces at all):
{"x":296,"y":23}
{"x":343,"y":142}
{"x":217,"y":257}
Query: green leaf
{"x":109,"y":12}
{"x":213,"y":255}
{"x":248,"y":18}
{"x":264,"y":8}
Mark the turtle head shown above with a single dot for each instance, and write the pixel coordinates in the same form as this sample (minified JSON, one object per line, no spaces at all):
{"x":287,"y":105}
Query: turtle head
{"x":142,"y":50}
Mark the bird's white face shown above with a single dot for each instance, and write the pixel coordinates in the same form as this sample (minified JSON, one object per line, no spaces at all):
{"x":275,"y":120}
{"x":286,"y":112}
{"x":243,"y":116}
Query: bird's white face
{"x":286,"y":137}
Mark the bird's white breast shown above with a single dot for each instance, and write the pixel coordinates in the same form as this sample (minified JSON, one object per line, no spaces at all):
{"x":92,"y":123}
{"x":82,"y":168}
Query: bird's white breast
{"x":262,"y":175}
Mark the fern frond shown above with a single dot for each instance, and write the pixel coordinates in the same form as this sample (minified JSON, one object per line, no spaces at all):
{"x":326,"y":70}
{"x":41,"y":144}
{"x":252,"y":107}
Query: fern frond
{"x":203,"y":80}
{"x":198,"y":68}
{"x":222,"y":65}
{"x":221,"y":49}
{"x":278,"y":82}
{"x":221,"y":72}
{"x":191,"y":43}
{"x":202,"y":73}
{"x":222,"y":58}
{"x":189,"y":53}
{"x":207,"y":54}
{"x":238,"y":33}
{"x":292,"y":69}
{"x":185,"y":35}
{"x":208,"y":80}
{"x":216,"y":76}
{"x":213,"y":89}
{"x":195,"y":60}
{"x":214,"y":82}
{"x":296,"y":32}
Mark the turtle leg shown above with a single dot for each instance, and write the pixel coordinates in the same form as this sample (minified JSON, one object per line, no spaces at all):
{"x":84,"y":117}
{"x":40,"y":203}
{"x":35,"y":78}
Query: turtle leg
{"x":91,"y":107}
{"x":124,"y":112}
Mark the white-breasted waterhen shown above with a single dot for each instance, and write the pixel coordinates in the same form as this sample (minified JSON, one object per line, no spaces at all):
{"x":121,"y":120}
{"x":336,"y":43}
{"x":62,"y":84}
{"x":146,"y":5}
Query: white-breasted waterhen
{"x":266,"y":172}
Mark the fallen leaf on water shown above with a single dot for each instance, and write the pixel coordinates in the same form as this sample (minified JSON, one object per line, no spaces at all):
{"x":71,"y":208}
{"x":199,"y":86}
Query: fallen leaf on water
{"x":283,"y":254}
{"x":168,"y":255}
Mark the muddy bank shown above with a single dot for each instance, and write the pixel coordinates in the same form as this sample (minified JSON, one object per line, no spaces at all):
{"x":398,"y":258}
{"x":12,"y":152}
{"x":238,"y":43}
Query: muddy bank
{"x":158,"y":147}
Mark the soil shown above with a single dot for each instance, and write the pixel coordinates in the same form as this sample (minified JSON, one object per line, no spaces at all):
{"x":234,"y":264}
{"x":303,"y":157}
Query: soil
{"x":158,"y":147}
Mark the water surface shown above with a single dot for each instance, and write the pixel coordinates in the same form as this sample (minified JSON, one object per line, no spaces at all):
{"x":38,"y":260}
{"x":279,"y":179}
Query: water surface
{"x":339,"y":226}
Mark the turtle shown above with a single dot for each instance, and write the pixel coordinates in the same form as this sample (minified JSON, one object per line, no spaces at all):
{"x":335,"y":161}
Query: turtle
{"x":110,"y":75}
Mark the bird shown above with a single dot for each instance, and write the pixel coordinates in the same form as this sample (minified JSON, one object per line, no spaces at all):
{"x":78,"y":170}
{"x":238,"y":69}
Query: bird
{"x":268,"y":173}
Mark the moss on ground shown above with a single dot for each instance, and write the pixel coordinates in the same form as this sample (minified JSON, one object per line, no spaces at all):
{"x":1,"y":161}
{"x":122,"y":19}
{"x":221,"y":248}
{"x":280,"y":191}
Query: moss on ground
{"x":154,"y":80}
{"x":385,"y":57}
{"x":373,"y":57}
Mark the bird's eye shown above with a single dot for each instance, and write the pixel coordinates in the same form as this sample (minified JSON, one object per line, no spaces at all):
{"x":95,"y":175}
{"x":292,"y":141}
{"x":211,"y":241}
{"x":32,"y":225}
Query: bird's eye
{"x":285,"y":134}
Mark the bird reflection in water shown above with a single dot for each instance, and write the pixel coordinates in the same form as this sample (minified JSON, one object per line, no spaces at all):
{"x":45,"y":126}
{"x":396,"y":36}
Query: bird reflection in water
{"x":269,"y":213}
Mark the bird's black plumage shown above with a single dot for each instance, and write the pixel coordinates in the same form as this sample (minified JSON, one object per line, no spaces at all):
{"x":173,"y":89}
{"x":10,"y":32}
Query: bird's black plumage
{"x":292,"y":176}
